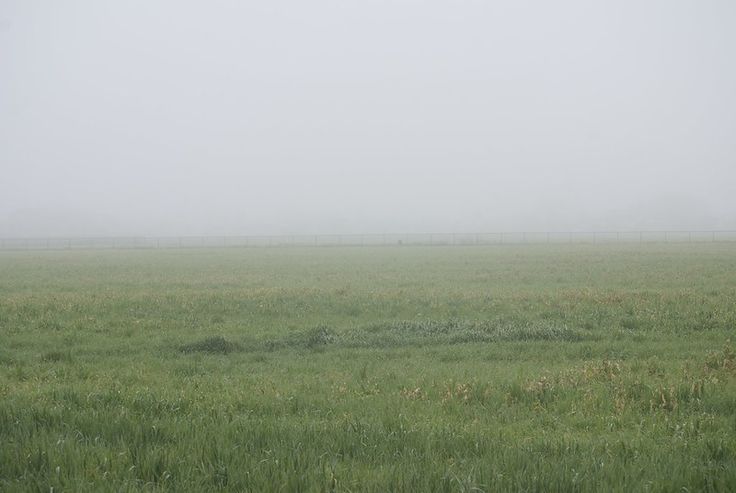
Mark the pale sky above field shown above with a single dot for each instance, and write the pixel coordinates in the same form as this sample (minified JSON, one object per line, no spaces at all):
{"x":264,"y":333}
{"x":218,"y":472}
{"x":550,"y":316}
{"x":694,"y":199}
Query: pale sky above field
{"x":266,"y":117}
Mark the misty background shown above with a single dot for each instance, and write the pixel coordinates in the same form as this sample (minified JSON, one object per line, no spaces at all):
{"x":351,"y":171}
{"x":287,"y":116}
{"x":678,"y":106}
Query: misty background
{"x":338,"y":116}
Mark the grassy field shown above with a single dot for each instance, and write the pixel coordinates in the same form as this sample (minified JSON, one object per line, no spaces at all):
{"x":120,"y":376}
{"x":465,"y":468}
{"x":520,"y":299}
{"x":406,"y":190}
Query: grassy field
{"x":507,"y":368}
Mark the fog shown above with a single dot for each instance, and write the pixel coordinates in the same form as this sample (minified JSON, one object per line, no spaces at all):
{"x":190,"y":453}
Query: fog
{"x":231,"y":117}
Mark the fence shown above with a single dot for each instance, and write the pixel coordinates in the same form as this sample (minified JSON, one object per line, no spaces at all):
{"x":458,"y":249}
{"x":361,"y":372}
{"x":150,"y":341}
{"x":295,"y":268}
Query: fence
{"x":324,"y":240}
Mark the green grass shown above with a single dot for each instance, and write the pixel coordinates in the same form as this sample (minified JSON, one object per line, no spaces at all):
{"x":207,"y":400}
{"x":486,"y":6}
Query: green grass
{"x":505,"y":368}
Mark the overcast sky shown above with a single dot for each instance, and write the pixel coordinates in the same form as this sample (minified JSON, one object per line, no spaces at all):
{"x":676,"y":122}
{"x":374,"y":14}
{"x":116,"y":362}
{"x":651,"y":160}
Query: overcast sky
{"x":262,"y":117}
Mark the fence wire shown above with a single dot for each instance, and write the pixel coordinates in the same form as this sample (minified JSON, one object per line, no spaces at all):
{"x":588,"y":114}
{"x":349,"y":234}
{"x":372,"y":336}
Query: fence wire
{"x":388,"y":239}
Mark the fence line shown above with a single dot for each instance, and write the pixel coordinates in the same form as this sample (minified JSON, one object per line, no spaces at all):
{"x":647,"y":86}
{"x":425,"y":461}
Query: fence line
{"x":380,"y":239}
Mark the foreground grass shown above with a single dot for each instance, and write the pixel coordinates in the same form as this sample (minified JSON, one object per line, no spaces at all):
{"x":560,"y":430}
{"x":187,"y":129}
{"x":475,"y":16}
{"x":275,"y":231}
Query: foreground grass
{"x":540,"y":367}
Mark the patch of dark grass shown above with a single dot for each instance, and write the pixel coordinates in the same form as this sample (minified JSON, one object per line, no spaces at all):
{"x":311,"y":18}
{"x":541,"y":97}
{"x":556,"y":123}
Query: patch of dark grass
{"x":405,"y":333}
{"x":211,"y":345}
{"x":6,"y":359}
{"x":56,"y":357}
{"x":49,"y":325}
{"x":314,"y":338}
{"x":458,"y":332}
{"x":318,"y":336}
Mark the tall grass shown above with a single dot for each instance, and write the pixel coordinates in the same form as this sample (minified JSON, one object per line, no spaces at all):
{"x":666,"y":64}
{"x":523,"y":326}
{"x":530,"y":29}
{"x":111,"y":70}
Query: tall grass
{"x":530,"y":368}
